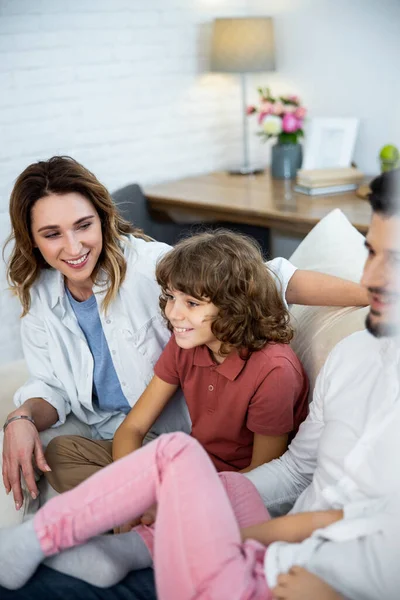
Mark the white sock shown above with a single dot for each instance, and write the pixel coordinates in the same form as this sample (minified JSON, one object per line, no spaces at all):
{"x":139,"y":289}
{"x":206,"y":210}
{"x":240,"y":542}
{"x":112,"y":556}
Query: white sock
{"x":104,"y":560}
{"x":20,"y":554}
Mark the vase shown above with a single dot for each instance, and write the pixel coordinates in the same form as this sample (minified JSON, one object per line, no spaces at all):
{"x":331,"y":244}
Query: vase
{"x":286,"y":160}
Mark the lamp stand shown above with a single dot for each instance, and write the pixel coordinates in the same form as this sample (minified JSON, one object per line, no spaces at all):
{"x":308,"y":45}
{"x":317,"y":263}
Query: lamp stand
{"x":245,"y":169}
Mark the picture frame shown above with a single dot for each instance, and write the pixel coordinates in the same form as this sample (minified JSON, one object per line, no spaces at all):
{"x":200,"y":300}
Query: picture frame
{"x":330,"y":143}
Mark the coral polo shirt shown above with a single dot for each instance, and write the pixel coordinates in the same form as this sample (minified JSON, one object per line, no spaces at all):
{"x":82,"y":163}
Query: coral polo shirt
{"x":230,"y":402}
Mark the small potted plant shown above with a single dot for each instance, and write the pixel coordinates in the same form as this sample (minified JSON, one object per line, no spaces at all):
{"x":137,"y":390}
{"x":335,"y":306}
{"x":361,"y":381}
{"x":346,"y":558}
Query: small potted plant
{"x":281,"y":117}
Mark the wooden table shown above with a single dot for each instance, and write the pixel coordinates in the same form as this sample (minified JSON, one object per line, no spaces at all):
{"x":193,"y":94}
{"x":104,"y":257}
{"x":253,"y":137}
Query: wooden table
{"x":253,"y":200}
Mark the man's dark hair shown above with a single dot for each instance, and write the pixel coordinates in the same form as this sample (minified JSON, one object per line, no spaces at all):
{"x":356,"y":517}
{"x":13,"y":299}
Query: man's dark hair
{"x":385,"y":193}
{"x":227,"y":269}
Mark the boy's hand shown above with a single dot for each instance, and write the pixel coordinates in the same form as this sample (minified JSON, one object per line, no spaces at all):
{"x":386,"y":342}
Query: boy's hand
{"x":127,"y":526}
{"x":300,"y":584}
{"x":149,"y":517}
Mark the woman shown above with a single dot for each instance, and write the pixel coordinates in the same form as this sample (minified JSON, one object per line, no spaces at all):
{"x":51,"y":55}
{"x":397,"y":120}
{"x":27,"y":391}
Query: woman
{"x":91,"y":327}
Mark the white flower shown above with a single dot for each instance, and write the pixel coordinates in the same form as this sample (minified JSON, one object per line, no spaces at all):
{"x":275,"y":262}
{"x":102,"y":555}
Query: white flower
{"x":272,"y":125}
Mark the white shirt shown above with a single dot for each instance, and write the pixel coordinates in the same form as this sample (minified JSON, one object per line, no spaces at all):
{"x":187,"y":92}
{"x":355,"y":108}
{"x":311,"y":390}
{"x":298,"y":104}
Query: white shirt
{"x":345,"y":455}
{"x":61,"y":364}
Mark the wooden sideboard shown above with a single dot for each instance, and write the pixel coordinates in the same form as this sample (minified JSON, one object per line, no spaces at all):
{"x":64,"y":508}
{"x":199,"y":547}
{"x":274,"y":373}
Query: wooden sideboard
{"x":253,"y":200}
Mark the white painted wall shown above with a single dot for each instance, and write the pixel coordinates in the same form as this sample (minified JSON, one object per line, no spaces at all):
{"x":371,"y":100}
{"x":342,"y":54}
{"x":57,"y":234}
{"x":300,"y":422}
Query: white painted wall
{"x":341,"y":56}
{"x":122,"y":85}
{"x":114,"y":83}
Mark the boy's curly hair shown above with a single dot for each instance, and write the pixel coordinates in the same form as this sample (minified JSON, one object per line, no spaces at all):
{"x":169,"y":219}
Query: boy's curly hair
{"x":227,"y":269}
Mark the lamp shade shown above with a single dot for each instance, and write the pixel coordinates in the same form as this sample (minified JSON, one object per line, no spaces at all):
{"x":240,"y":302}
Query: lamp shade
{"x":243,"y":45}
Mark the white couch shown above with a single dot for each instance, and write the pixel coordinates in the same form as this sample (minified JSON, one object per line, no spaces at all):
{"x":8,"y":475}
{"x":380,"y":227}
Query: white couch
{"x":333,"y":246}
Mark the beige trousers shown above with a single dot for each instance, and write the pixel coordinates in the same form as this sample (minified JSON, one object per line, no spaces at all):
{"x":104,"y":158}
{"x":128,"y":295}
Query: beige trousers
{"x":73,"y":458}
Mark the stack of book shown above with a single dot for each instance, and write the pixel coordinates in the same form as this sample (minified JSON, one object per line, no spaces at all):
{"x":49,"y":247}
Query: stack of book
{"x":317,"y":182}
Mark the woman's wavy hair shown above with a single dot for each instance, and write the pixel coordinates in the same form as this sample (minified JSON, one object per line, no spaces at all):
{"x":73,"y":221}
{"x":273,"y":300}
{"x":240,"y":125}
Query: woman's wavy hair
{"x":227,"y":269}
{"x":62,"y":175}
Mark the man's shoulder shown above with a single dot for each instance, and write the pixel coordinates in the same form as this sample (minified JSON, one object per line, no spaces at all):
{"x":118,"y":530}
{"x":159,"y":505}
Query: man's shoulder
{"x":359,"y":340}
{"x":359,"y":348}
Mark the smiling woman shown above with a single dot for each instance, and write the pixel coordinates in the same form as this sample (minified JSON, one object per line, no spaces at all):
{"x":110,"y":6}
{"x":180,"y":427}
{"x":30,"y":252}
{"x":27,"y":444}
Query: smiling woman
{"x":52,"y":206}
{"x":73,"y":247}
{"x":85,"y":279}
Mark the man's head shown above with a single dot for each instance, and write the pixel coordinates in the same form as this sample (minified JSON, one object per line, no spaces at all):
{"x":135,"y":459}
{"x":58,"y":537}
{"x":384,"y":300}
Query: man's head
{"x":382,"y":269}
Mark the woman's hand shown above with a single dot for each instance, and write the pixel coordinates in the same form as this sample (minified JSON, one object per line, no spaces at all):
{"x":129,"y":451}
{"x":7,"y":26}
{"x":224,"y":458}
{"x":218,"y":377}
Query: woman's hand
{"x":21,"y":445}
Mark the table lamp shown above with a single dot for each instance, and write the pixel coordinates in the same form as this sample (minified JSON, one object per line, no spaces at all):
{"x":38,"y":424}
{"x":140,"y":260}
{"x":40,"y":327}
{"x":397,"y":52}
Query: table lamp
{"x":243,"y":45}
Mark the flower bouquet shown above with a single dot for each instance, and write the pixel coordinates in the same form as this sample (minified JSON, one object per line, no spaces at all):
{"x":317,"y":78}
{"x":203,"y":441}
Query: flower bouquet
{"x":281,"y":117}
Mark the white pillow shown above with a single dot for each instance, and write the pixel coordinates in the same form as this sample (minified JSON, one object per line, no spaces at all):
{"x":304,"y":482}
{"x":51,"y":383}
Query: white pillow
{"x":335,"y":247}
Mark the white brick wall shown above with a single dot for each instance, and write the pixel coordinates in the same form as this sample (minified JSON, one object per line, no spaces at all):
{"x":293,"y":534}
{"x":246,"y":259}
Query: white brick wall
{"x":122,"y":85}
{"x":118,"y":84}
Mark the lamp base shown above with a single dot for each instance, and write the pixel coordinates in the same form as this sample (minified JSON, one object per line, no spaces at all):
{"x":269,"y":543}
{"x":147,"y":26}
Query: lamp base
{"x":246,"y":171}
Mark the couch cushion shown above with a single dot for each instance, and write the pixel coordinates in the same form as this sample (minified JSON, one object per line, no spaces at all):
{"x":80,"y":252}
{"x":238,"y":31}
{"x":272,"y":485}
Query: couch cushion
{"x":10,"y":309}
{"x":12,"y":375}
{"x":335,"y":247}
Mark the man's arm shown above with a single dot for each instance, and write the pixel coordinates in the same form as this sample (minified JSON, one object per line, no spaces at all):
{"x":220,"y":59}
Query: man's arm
{"x":366,"y":568}
{"x":291,"y":528}
{"x":318,"y":289}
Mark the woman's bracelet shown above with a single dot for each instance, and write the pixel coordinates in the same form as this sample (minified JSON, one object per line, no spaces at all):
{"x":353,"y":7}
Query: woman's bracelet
{"x":6,"y":424}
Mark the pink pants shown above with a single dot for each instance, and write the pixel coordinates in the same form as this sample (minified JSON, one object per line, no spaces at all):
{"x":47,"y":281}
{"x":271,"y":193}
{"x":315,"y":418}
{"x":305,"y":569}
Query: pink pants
{"x":198,"y":553}
{"x":246,"y":502}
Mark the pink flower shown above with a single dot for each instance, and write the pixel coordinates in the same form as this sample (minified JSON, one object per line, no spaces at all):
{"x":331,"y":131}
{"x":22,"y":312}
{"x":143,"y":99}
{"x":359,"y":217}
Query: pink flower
{"x":289,"y":108}
{"x":278,"y":108}
{"x":294,"y":98}
{"x":300,"y":112}
{"x":267,"y":108}
{"x":261,"y":117}
{"x":290,"y":123}
{"x":250,"y":110}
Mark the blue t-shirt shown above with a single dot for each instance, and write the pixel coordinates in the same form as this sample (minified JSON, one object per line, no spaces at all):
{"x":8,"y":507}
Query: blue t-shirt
{"x":107,"y":391}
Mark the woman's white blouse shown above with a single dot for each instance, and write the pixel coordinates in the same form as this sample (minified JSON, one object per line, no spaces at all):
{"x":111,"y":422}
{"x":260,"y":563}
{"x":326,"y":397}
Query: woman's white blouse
{"x":61,"y":364}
